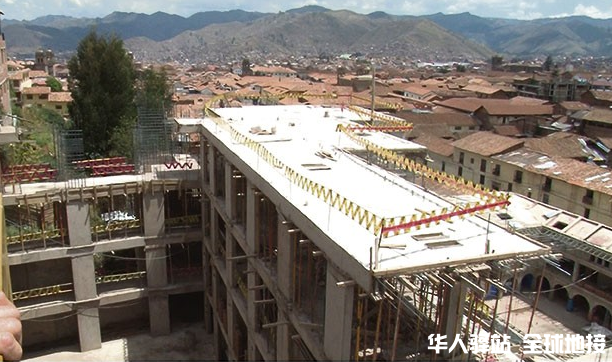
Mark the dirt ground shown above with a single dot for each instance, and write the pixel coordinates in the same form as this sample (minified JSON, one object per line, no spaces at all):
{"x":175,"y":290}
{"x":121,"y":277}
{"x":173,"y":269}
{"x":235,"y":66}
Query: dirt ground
{"x":189,"y":342}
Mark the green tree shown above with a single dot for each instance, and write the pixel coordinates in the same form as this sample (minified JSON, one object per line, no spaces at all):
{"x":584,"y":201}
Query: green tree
{"x":103,"y":88}
{"x":496,"y":62}
{"x":548,"y":63}
{"x":37,"y":144}
{"x":54,"y":84}
{"x":153,"y":90}
{"x":246,"y":67}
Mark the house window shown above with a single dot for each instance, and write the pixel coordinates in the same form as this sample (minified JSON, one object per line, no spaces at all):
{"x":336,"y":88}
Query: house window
{"x":588,"y":197}
{"x":457,"y":128}
{"x":460,"y":171}
{"x":547,"y":184}
{"x":58,"y":107}
{"x":443,"y":166}
{"x":29,"y":96}
{"x":483,"y":165}
{"x":518,"y":176}
{"x":495,"y":185}
{"x":482,"y":179}
{"x":44,"y":96}
{"x":461,"y":157}
{"x":497,"y":170}
{"x":471,"y":161}
{"x":587,"y":212}
{"x":545,"y":198}
{"x":509,"y":186}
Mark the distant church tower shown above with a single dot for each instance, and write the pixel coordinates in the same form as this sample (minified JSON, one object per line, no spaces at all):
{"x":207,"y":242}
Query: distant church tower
{"x":44,"y":60}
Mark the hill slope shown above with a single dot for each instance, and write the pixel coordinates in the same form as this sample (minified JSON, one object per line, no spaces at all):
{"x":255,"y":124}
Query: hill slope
{"x":313,"y":30}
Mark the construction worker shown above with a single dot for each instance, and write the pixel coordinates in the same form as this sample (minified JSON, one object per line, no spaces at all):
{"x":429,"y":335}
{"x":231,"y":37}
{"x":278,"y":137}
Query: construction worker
{"x":10,"y":330}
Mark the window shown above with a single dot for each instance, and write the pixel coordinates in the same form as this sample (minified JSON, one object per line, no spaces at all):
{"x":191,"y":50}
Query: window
{"x":545,"y":198}
{"x":588,"y":197}
{"x":495,"y":185}
{"x":483,"y":165}
{"x":547,"y":184}
{"x":58,"y":107}
{"x":460,"y":171}
{"x":461,"y":157}
{"x":471,"y":161}
{"x":497,"y":170}
{"x":457,"y":128}
{"x":482,"y":179}
{"x":518,"y":176}
{"x":29,"y":96}
{"x":587,"y":213}
{"x":509,"y":186}
{"x":44,"y":96}
{"x":443,"y":166}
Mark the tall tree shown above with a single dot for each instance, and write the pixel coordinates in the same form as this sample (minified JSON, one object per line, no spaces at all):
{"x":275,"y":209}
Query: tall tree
{"x":153,"y":90}
{"x":548,"y":63}
{"x":102,"y":85}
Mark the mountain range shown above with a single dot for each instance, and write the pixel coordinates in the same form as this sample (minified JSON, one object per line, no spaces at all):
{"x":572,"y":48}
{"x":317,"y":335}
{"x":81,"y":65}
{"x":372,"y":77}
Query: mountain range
{"x":317,"y":31}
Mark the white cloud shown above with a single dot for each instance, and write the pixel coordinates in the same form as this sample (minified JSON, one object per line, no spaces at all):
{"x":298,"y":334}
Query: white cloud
{"x":592,"y":11}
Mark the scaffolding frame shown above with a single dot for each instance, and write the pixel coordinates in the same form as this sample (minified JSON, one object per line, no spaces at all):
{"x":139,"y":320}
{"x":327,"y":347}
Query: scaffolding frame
{"x":154,"y":143}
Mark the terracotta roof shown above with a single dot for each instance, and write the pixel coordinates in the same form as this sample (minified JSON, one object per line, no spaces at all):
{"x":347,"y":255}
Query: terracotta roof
{"x":436,"y":145}
{"x":509,"y":109}
{"x":469,"y":105}
{"x":577,"y":173}
{"x":36,"y":90}
{"x":481,"y":89}
{"x":487,"y":143}
{"x":273,"y":69}
{"x":411,"y":88}
{"x":602,"y":95}
{"x":510,"y":130}
{"x":574,"y":106}
{"x":559,"y":144}
{"x":597,"y":115}
{"x":60,"y":97}
{"x":449,"y":119}
{"x":38,"y":74}
{"x":434,"y":130}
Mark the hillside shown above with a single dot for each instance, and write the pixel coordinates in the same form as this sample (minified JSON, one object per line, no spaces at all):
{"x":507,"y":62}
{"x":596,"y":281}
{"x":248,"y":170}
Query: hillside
{"x":313,"y":34}
{"x":314,"y":30}
{"x":575,"y":35}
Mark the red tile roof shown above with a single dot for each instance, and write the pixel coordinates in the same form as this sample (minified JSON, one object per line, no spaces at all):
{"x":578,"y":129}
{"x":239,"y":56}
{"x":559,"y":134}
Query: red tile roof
{"x":487,"y":143}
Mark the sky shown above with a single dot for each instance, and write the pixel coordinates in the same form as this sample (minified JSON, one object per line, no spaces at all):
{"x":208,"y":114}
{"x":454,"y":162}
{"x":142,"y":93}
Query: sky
{"x":514,"y":9}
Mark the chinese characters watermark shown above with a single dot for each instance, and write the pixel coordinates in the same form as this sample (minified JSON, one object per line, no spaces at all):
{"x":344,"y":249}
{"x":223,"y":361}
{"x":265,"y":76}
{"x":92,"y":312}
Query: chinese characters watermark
{"x":532,"y":343}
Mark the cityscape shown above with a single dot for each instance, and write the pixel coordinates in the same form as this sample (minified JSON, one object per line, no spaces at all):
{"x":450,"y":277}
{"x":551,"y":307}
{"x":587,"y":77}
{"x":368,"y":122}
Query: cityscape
{"x":308,"y":184}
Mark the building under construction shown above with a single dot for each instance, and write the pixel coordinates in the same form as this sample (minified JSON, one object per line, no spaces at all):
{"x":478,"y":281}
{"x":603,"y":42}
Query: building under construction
{"x":292,"y":232}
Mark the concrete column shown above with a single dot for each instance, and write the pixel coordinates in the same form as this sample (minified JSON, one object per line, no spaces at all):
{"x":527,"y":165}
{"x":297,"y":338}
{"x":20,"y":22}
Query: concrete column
{"x":157,"y":278}
{"x":88,"y":318}
{"x":338,"y":317}
{"x":251,"y":219}
{"x":217,"y":335}
{"x":83,"y":276}
{"x":153,"y":214}
{"x":79,"y":223}
{"x":283,"y":338}
{"x":575,"y":272}
{"x":206,"y":269}
{"x":211,"y":170}
{"x":453,"y":312}
{"x":285,"y":260}
{"x":230,"y":192}
{"x":230,"y":251}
